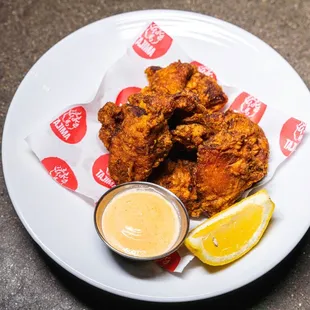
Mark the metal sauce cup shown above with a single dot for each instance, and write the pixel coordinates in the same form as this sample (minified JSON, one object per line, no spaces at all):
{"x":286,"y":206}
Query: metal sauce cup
{"x":166,"y":194}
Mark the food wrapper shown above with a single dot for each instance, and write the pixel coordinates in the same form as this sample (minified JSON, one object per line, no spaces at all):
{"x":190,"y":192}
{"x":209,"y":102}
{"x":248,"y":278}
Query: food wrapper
{"x":70,"y":150}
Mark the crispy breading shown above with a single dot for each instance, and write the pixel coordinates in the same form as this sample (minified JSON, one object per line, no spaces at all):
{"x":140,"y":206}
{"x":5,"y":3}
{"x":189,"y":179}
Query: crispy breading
{"x":210,"y":93}
{"x":154,"y":103}
{"x":169,"y":80}
{"x":196,"y":129}
{"x":141,"y":142}
{"x":232,"y":155}
{"x":201,"y":126}
{"x":179,"y":177}
{"x":216,"y":155}
{"x":111,"y":117}
{"x":230,"y":162}
{"x":184,"y":78}
{"x":190,"y":136}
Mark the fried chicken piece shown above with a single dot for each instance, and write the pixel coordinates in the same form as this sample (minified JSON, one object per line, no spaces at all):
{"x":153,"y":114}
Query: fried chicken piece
{"x":154,"y":103}
{"x":210,"y":93}
{"x":178,"y":177}
{"x":187,"y":102}
{"x":232,"y":155}
{"x":169,"y":80}
{"x":111,"y":117}
{"x":190,"y":136}
{"x":196,"y":129}
{"x":137,"y":145}
{"x":230,"y":162}
{"x":150,"y":71}
{"x":212,"y":122}
{"x":179,"y":105}
{"x":193,"y":91}
{"x":184,"y":78}
{"x":200,"y":127}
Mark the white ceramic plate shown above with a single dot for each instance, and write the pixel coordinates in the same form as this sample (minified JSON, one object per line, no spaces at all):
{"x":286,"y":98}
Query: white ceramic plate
{"x":62,"y":224}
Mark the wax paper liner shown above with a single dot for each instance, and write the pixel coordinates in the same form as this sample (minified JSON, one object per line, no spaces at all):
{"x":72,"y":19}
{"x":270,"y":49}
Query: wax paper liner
{"x":70,"y":150}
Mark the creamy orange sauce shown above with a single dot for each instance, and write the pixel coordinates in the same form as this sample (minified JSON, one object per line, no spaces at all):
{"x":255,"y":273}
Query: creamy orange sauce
{"x":140,"y":223}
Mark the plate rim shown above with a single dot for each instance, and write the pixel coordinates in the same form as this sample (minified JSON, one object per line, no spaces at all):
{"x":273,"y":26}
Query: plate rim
{"x":205,"y":18}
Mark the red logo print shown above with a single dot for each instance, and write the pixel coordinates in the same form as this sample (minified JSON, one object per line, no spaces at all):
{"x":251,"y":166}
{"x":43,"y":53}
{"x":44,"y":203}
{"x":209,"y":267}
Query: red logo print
{"x":249,"y":106}
{"x":70,"y":127}
{"x":170,"y":262}
{"x":60,"y":171}
{"x":291,"y":135}
{"x":101,"y":171}
{"x":125,"y":93}
{"x":152,"y":43}
{"x":203,"y":69}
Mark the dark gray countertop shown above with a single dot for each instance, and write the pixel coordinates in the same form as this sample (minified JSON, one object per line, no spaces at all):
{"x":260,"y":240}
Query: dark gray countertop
{"x":28,"y":278}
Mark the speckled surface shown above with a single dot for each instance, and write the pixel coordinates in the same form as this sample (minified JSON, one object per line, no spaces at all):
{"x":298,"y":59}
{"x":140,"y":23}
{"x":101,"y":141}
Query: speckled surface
{"x":28,"y":278}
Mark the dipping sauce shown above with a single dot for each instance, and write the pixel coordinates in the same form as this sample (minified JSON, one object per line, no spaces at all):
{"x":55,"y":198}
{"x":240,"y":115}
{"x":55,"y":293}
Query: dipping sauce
{"x":140,"y":223}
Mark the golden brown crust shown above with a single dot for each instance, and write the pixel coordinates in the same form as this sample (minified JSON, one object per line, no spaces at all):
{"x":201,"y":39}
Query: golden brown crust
{"x":153,"y":103}
{"x":232,"y":155}
{"x":111,"y":117}
{"x":142,"y":142}
{"x":210,"y":93}
{"x":179,"y":177}
{"x":190,"y":136}
{"x":169,"y":80}
{"x":182,"y":107}
{"x":230,"y":162}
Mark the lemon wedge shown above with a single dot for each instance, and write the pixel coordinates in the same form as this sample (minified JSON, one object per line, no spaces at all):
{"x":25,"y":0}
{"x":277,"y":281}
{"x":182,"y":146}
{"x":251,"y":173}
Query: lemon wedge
{"x":232,"y":233}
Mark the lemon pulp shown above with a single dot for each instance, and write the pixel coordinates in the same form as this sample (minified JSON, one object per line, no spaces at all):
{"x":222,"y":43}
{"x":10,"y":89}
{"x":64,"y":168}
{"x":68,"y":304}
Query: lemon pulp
{"x":233,"y":232}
